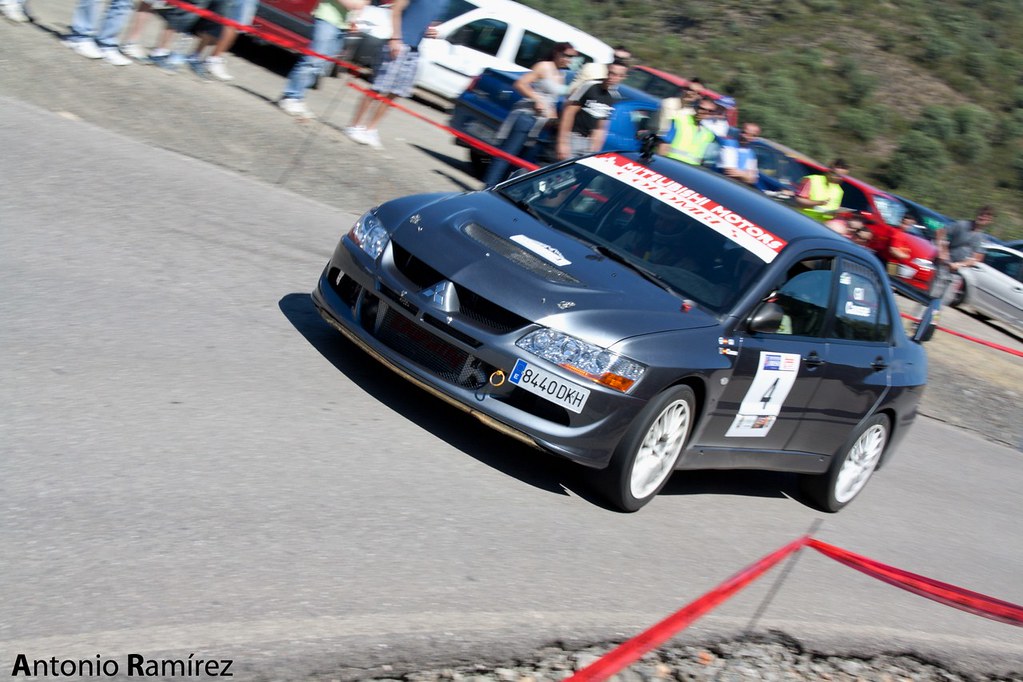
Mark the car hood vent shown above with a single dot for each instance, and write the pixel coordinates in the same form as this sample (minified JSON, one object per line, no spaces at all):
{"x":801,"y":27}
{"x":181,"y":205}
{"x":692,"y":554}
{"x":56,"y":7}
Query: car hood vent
{"x":518,"y":255}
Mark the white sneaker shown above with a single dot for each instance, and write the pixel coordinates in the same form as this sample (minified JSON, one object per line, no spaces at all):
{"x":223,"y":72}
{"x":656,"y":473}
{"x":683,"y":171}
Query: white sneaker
{"x":87,"y":48}
{"x":353,"y":132}
{"x":215,"y":67}
{"x":111,"y":55}
{"x":371,"y":138}
{"x":135,"y":51}
{"x":13,"y":12}
{"x":295,"y":107}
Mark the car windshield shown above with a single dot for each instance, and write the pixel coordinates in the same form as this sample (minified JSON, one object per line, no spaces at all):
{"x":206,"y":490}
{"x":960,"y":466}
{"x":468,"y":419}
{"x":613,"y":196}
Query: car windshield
{"x":672,"y":242}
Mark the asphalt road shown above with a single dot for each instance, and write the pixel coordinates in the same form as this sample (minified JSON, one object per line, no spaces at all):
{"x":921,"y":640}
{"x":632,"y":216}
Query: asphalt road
{"x":191,"y":461}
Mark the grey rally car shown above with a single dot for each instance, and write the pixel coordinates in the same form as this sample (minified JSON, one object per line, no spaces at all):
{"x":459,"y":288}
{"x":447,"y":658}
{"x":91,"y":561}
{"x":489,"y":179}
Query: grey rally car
{"x":637,"y":316}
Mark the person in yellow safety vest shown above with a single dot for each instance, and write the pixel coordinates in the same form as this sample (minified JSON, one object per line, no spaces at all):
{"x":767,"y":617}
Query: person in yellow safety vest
{"x":819,"y":196}
{"x":687,"y":140}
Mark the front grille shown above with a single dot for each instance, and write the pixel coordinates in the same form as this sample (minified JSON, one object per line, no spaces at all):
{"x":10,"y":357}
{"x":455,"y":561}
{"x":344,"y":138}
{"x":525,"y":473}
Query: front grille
{"x":346,"y":288}
{"x":486,"y":313}
{"x":477,"y":309}
{"x":431,"y":352}
{"x":418,"y":272}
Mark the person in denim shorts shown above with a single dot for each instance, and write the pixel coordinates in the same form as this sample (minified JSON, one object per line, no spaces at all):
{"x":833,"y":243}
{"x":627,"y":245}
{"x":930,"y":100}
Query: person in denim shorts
{"x":396,"y":75}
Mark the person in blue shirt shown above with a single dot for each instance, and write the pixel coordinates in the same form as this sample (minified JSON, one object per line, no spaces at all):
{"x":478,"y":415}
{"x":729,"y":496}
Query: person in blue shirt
{"x":736,"y":158}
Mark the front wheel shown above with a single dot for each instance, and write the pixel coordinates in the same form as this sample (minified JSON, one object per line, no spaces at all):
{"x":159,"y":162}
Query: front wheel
{"x":644,"y":460}
{"x":850,"y":471}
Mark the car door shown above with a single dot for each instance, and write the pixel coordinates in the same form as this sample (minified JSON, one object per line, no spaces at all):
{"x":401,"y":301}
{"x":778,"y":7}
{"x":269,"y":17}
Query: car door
{"x":449,"y":62}
{"x":998,"y":289}
{"x":858,"y":370}
{"x":776,"y":375}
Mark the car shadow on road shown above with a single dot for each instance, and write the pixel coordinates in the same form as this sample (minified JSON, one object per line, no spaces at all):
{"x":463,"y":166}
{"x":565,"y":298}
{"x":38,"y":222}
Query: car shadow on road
{"x":482,"y":443}
{"x":448,"y":423}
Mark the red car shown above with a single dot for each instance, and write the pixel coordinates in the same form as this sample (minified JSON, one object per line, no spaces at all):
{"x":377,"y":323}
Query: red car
{"x":782,"y":168}
{"x":290,"y":21}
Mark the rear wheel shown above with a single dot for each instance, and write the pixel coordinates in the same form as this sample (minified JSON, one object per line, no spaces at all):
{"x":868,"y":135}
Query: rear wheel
{"x":643,"y":461}
{"x":849,"y":473}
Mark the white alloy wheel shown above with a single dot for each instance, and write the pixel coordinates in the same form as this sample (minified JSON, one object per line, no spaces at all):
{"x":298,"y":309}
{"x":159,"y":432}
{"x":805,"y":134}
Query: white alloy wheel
{"x":851,"y":468}
{"x":657,"y":454}
{"x":860,"y":462}
{"x":648,"y":452}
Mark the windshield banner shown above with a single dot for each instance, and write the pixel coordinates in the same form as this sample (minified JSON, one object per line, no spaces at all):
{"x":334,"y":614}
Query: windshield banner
{"x":746,"y":234}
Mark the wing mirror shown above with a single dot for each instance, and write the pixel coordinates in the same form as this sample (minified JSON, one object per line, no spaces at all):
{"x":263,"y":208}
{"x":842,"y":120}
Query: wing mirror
{"x":767,"y":318}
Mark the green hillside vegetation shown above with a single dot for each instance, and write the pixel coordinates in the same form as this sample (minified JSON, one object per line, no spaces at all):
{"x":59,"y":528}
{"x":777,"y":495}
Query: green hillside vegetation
{"x":922,"y":97}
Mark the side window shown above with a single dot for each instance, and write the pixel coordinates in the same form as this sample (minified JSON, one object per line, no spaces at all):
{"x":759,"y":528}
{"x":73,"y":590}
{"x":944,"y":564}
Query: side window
{"x":1005,"y":263}
{"x":854,"y":198}
{"x":533,"y":48}
{"x":484,"y":35}
{"x":860,"y":314}
{"x":637,"y":78}
{"x":804,"y":297}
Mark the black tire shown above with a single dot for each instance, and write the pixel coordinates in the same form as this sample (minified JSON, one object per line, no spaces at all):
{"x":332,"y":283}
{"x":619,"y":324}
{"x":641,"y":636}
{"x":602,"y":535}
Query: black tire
{"x":846,"y":478}
{"x":479,"y":162}
{"x":657,"y":437}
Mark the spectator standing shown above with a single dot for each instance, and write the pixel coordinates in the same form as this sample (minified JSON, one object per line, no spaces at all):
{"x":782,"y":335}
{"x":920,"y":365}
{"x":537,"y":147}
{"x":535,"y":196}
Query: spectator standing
{"x":959,"y":246}
{"x":222,"y":38}
{"x":410,"y":20}
{"x":687,"y":140}
{"x":330,"y":21}
{"x":99,"y":43}
{"x":540,"y":87}
{"x":587,"y":114}
{"x":820,"y":195}
{"x":14,"y":11}
{"x":737,"y":158}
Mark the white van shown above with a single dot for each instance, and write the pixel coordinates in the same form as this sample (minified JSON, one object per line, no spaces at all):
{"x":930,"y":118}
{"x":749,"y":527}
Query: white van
{"x":477,"y":34}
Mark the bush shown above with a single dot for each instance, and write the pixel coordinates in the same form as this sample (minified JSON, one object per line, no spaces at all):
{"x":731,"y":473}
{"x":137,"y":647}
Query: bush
{"x":917,"y":154}
{"x":937,"y":122}
{"x":860,"y":123}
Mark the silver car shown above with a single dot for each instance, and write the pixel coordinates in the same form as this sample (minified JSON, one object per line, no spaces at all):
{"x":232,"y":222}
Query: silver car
{"x":994,"y":287}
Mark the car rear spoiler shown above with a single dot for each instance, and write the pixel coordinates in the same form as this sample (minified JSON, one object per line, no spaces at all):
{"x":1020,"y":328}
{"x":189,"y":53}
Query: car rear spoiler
{"x":928,"y":321}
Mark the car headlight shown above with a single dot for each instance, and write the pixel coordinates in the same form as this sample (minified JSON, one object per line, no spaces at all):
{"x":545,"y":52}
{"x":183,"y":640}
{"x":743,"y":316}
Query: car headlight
{"x":593,"y":362}
{"x":369,"y":233}
{"x":923,"y":264}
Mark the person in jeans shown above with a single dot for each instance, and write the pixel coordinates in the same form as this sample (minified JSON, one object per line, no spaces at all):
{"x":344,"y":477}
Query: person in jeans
{"x":330,"y":20}
{"x":540,"y":88}
{"x":99,"y":43}
{"x":959,"y":246}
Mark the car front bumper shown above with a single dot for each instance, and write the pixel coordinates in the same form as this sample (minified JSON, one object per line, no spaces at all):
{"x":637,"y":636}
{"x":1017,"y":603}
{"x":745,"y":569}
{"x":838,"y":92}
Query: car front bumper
{"x":455,"y":358}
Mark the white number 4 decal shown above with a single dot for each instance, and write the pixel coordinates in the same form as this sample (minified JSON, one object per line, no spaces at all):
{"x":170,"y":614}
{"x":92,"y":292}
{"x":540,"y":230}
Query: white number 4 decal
{"x":776,"y":374}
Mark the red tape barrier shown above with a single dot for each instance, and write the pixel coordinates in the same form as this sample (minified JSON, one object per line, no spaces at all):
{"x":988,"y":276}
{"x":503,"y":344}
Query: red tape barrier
{"x":296,"y":47}
{"x":633,"y":649}
{"x":944,"y":593}
{"x":982,"y":342}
